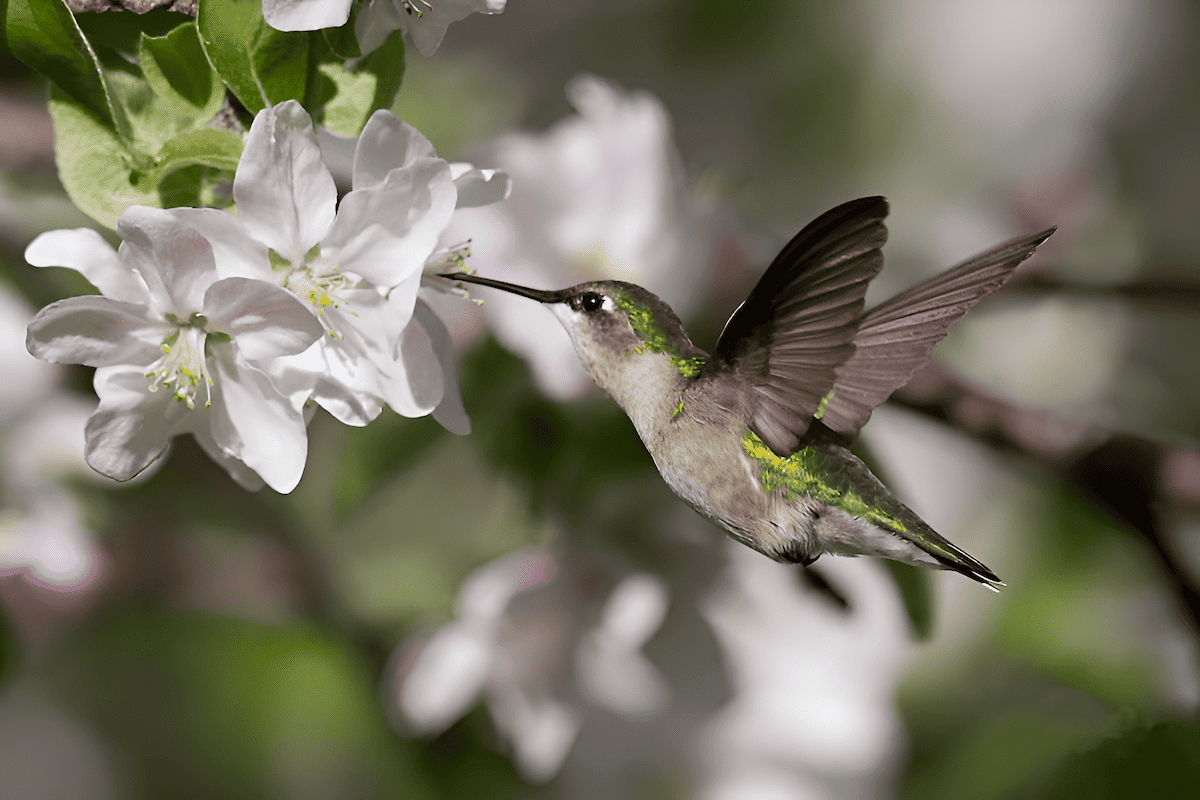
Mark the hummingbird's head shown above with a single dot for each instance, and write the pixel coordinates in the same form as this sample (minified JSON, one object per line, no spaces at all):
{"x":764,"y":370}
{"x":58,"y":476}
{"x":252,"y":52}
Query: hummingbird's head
{"x":622,"y":333}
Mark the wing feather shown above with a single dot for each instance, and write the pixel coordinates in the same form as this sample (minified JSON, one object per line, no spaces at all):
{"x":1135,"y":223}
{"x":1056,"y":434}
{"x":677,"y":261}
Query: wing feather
{"x":896,"y":338}
{"x":798,"y":324}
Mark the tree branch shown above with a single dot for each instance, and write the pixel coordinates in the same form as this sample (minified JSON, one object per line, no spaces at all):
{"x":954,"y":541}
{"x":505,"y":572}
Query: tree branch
{"x":1139,"y":482}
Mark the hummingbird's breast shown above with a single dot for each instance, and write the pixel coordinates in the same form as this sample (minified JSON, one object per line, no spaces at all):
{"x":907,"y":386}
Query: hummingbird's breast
{"x":696,"y":443}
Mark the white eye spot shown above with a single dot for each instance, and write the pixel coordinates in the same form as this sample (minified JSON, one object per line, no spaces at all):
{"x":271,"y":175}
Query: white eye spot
{"x":608,"y":304}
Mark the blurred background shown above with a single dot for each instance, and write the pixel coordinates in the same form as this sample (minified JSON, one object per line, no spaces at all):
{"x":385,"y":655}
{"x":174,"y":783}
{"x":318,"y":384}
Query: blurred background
{"x":528,"y":611}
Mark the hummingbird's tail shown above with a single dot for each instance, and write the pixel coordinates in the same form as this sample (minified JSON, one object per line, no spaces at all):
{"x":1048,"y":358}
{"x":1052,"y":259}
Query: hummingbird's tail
{"x":959,"y":560}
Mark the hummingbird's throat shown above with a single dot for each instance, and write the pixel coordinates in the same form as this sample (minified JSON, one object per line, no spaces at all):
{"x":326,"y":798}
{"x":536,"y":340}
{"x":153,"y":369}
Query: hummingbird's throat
{"x":654,"y":338}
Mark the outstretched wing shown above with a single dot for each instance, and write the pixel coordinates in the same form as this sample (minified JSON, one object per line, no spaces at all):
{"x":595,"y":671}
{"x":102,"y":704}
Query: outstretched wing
{"x":798,"y":324}
{"x":896,"y":338}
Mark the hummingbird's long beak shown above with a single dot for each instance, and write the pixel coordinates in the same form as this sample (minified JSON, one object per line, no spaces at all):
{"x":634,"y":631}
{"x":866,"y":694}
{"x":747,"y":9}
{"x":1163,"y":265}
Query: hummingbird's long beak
{"x":534,"y":294}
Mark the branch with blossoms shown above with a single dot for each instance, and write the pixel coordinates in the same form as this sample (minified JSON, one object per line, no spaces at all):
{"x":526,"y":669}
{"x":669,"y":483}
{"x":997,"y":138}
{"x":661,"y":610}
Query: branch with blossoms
{"x":233,"y":326}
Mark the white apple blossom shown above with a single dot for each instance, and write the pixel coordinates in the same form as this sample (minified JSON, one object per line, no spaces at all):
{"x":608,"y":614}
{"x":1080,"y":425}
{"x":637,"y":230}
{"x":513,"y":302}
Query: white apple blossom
{"x":305,"y":15}
{"x":600,"y":195}
{"x":424,"y":21}
{"x":358,"y":264}
{"x":523,"y":628}
{"x":178,"y":349}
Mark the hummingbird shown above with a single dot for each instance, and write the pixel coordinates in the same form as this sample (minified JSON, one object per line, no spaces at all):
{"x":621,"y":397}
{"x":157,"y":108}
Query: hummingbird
{"x":756,"y":435}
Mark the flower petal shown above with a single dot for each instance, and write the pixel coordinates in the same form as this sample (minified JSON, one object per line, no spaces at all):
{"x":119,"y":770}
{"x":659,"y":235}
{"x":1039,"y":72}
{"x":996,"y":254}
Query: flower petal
{"x":265,"y":320}
{"x":255,"y":422}
{"x":415,"y":385}
{"x":385,"y":233}
{"x":235,"y":252}
{"x":427,"y":30}
{"x":95,"y":331}
{"x":338,"y":383}
{"x":284,"y":193}
{"x":174,"y":260}
{"x":375,"y":23}
{"x":479,"y":187}
{"x":450,"y":412}
{"x":245,"y":477}
{"x":305,"y":15}
{"x":131,"y":427}
{"x":387,"y":143}
{"x":349,"y":371}
{"x":86,"y":252}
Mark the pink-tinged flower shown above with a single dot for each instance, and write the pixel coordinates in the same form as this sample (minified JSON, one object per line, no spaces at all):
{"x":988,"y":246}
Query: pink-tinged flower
{"x":601,"y":195}
{"x":357,"y":265}
{"x":42,"y":532}
{"x":177,"y":349}
{"x":527,"y":636}
{"x":424,"y":21}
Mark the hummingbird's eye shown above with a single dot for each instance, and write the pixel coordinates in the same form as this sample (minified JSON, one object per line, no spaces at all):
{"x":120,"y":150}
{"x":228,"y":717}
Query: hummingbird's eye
{"x":590,"y":301}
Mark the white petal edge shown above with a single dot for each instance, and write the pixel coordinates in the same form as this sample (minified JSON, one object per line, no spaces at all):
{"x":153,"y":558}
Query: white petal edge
{"x":284,"y":192}
{"x":479,"y":187}
{"x":266,"y":321}
{"x":305,"y":15}
{"x":416,"y":385}
{"x":132,"y":425}
{"x":387,"y":143}
{"x":254,"y":421}
{"x":375,"y":23}
{"x":174,"y":260}
{"x":86,"y":252}
{"x":235,"y":252}
{"x":386,"y":233}
{"x":95,"y":331}
{"x":450,"y":412}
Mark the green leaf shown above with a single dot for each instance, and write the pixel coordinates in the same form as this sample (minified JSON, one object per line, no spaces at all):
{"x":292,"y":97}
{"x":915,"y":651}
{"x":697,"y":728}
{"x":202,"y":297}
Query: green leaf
{"x":344,"y":40}
{"x":175,"y":68}
{"x":916,"y":593}
{"x":44,"y":34}
{"x":104,"y":177}
{"x":206,"y":146}
{"x":123,"y":31}
{"x":260,"y":65}
{"x":343,"y":94}
{"x":95,"y":166}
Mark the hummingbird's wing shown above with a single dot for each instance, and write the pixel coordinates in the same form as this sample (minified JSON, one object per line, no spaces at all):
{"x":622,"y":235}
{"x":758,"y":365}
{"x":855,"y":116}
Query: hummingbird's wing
{"x":896,"y":338}
{"x":798,"y":324}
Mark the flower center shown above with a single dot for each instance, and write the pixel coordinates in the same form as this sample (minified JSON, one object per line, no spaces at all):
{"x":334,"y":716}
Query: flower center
{"x":413,"y":7}
{"x":182,"y":365}
{"x":321,"y":288}
{"x":451,"y":259}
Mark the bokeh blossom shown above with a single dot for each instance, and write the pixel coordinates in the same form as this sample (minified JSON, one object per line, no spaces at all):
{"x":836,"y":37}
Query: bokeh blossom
{"x":177,"y":349}
{"x":42,"y":532}
{"x":812,"y":712}
{"x":601,"y":195}
{"x":534,"y":634}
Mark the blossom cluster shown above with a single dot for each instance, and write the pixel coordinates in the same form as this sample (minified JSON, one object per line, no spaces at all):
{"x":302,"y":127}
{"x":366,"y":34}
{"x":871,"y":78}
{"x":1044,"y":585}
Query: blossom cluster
{"x":231,"y":327}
